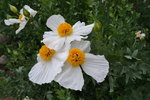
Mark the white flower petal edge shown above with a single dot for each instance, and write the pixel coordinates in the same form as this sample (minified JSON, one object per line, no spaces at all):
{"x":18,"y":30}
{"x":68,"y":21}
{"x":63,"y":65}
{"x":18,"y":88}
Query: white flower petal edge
{"x":70,"y":77}
{"x":21,"y":11}
{"x":83,"y":45}
{"x":21,"y":26}
{"x":49,"y":33}
{"x":143,"y":35}
{"x":45,"y":71}
{"x":96,"y":66}
{"x":52,"y":41}
{"x":74,"y":38}
{"x":11,"y":21}
{"x":54,"y":21}
{"x":80,"y":28}
{"x":79,"y":32}
{"x":31,"y":11}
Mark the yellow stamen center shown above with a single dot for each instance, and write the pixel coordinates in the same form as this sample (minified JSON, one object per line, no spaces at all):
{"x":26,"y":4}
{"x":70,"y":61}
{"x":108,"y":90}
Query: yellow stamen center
{"x":64,"y":29}
{"x":76,"y":57}
{"x":46,"y":53}
{"x":138,"y":33}
{"x":20,"y":17}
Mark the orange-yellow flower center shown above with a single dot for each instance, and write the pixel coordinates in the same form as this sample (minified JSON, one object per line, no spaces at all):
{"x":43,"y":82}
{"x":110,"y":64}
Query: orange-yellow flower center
{"x":76,"y":57}
{"x":46,"y":53}
{"x":20,"y":17}
{"x":138,"y":33}
{"x":64,"y":29}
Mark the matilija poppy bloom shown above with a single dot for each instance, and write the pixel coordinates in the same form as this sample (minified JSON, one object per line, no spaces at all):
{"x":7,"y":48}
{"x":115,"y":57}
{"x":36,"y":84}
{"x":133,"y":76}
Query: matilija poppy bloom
{"x":80,"y":60}
{"x":63,"y":33}
{"x":140,"y":35}
{"x":22,"y":21}
{"x":49,"y":64}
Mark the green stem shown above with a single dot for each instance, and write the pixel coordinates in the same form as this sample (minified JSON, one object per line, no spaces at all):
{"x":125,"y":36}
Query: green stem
{"x":134,"y":42}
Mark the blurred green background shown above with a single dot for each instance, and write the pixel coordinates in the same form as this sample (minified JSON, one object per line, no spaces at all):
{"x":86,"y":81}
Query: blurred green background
{"x":116,"y":22}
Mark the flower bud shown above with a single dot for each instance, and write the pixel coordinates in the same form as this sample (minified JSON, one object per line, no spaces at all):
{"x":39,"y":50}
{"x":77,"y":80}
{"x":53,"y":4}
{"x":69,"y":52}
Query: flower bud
{"x":26,"y":12}
{"x":15,"y":53}
{"x":13,"y":8}
{"x":97,"y":26}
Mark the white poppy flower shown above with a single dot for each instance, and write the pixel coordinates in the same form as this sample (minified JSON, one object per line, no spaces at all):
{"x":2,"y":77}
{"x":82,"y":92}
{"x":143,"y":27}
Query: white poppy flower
{"x":80,"y":60}
{"x":140,"y":35}
{"x":63,"y":33}
{"x":22,"y":21}
{"x":48,"y":66}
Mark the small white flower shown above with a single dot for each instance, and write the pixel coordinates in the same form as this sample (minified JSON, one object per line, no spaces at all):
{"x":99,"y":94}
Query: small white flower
{"x":140,"y":35}
{"x":63,"y":33}
{"x":80,"y":60}
{"x":48,"y":66}
{"x":22,"y":21}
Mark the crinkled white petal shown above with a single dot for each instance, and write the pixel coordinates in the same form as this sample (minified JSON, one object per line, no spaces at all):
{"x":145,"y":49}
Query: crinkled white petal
{"x":78,"y":24}
{"x":31,"y":11}
{"x":83,"y":45}
{"x":21,"y":26}
{"x":39,"y":59}
{"x":54,"y":21}
{"x":143,"y":35}
{"x":53,"y":42}
{"x":62,"y":56}
{"x":21,"y":11}
{"x":80,"y":28}
{"x":11,"y":21}
{"x":96,"y":66}
{"x":70,"y":77}
{"x":71,"y":38}
{"x":45,"y":71}
{"x":49,"y":33}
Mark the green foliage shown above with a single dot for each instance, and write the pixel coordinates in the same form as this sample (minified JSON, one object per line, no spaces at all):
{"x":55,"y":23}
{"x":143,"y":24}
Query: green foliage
{"x":113,"y":36}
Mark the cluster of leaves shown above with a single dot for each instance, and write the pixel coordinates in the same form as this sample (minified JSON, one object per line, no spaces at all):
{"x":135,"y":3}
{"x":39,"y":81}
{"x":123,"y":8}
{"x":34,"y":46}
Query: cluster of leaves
{"x":116,"y":22}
